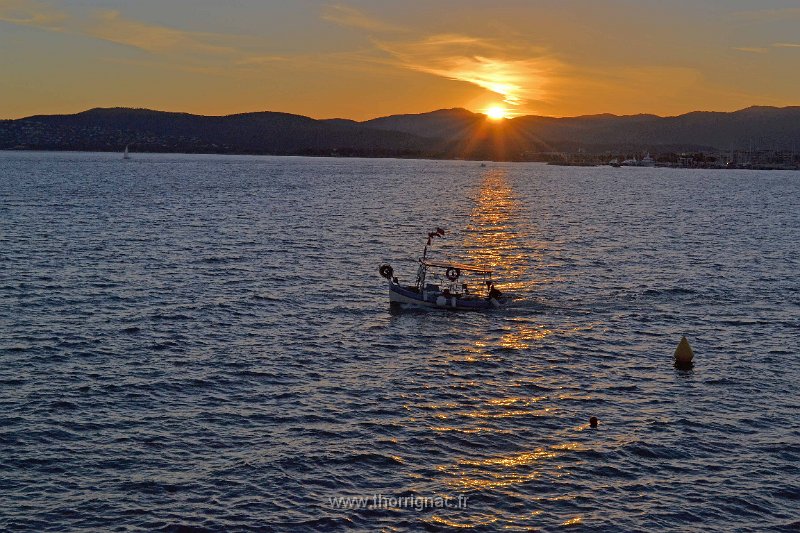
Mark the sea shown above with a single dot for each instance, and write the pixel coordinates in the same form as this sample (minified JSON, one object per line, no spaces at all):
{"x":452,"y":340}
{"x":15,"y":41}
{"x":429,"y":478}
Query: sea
{"x":204,"y":343}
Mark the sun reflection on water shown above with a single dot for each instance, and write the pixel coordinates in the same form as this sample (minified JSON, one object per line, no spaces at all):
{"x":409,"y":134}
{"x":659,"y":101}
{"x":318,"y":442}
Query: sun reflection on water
{"x":476,"y":522}
{"x":518,"y":336}
{"x":515,"y":401}
{"x":573,"y":521}
{"x":522,"y":459}
{"x":498,"y":234}
{"x":500,"y":471}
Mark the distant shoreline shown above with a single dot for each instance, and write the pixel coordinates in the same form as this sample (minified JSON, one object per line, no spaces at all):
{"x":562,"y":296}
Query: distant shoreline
{"x":407,"y":158}
{"x":757,"y":138}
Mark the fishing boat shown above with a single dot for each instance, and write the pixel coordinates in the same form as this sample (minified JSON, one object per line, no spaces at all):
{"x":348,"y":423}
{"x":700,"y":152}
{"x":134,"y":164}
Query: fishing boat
{"x":445,"y":285}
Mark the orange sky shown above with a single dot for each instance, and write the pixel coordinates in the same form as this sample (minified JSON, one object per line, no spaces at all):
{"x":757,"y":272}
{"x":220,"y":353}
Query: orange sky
{"x":372,"y":58}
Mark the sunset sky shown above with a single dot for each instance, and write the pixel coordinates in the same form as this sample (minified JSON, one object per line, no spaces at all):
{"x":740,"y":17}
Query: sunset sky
{"x":363,"y":59}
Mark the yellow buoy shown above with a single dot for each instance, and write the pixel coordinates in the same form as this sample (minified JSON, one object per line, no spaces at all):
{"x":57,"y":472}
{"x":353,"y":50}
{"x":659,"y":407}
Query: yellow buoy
{"x":684,"y":353}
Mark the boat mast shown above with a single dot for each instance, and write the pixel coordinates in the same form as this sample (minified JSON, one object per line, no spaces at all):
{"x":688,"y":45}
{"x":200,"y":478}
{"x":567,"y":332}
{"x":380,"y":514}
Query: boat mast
{"x":422,"y":268}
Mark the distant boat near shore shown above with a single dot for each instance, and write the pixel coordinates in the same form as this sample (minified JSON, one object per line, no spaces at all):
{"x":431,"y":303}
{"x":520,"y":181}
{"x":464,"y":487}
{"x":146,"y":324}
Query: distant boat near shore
{"x":126,"y":154}
{"x":646,"y":161}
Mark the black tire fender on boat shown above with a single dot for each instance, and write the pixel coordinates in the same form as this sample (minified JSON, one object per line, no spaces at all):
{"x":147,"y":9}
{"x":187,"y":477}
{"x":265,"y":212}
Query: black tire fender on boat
{"x":386,"y":271}
{"x":452,"y":273}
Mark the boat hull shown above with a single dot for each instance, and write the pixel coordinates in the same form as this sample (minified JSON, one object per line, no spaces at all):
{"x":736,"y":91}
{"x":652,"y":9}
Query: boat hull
{"x":399,"y":295}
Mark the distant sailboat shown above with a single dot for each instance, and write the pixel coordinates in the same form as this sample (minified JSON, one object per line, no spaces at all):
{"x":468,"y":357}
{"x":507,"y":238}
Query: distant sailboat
{"x":125,"y":154}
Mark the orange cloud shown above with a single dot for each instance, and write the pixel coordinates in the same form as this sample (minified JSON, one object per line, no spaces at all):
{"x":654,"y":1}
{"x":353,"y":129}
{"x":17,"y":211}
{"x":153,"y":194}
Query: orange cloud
{"x":31,"y":13}
{"x":354,"y":18}
{"x":200,"y":52}
{"x":111,"y":26}
{"x":751,"y":49}
{"x":515,"y":76}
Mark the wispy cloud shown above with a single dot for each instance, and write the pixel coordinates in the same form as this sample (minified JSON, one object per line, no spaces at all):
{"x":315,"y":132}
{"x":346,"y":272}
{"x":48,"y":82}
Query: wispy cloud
{"x":351,"y":17}
{"x":514,"y":76}
{"x":751,"y":49}
{"x":765,"y":49}
{"x":113,"y":27}
{"x":190,"y":51}
{"x":763,"y":15}
{"x":32,"y":13}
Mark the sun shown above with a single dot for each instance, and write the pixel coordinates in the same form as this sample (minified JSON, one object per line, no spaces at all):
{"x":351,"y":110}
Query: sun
{"x":496,"y":112}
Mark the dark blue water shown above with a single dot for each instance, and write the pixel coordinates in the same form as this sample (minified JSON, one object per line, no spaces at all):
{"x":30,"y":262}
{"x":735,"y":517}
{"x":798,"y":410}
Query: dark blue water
{"x":205,"y":341}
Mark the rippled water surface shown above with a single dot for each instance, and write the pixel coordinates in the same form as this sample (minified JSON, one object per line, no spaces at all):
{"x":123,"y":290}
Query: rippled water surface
{"x":198,"y":341}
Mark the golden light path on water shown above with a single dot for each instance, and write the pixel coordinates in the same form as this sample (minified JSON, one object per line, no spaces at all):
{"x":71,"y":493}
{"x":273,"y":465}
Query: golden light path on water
{"x":496,"y":227}
{"x":499,"y":235}
{"x":525,"y":456}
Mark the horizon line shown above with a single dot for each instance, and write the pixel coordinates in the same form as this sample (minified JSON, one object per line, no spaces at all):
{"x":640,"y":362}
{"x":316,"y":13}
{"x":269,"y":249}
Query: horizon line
{"x":754,"y":106}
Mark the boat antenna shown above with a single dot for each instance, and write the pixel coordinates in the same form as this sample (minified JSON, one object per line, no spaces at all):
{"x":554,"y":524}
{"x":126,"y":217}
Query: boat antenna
{"x":438,"y":233}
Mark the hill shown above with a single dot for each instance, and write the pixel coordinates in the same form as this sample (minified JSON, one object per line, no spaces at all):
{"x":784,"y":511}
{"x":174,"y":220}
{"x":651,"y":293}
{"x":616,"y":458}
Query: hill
{"x":157,"y":131}
{"x":447,"y":133}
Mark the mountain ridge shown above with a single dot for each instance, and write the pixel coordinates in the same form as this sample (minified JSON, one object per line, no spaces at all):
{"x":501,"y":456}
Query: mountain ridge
{"x":443,"y":133}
